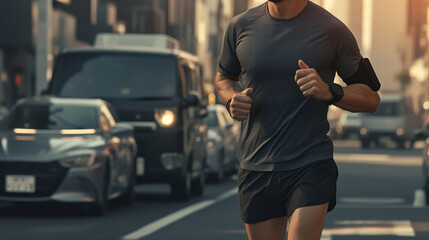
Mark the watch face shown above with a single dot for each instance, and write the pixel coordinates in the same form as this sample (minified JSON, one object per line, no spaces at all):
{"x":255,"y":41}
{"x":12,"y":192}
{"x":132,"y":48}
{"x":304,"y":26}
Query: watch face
{"x":338,"y":90}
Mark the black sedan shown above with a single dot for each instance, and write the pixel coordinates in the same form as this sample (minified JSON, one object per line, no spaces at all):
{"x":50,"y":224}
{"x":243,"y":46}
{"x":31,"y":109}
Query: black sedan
{"x":66,"y":150}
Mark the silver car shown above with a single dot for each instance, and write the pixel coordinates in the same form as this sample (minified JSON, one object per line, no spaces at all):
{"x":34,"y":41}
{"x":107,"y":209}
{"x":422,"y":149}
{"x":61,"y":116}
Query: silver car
{"x":222,"y":137}
{"x":66,"y":150}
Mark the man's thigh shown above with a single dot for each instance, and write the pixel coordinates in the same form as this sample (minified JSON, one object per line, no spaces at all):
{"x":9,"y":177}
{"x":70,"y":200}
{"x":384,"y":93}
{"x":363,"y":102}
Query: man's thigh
{"x":273,"y":229}
{"x":306,"y":223}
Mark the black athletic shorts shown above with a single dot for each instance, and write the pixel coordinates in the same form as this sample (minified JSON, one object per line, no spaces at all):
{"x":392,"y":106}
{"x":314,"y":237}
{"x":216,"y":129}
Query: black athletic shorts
{"x":266,"y":195}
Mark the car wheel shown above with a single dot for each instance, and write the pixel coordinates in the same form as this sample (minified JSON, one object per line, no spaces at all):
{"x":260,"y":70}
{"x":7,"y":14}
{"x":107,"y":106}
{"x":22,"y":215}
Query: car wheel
{"x":197,"y":188}
{"x":401,"y":144}
{"x":129,"y":196}
{"x":426,"y":189}
{"x":221,"y":171}
{"x":99,"y":208}
{"x":365,"y":143}
{"x":181,"y":188}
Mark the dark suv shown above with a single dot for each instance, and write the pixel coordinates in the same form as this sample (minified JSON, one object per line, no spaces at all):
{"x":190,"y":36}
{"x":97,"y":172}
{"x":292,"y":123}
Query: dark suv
{"x":158,"y":91}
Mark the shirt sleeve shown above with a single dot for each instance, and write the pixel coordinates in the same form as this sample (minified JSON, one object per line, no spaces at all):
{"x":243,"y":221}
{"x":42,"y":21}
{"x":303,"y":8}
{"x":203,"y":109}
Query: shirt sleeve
{"x":347,"y":53}
{"x":229,"y":65}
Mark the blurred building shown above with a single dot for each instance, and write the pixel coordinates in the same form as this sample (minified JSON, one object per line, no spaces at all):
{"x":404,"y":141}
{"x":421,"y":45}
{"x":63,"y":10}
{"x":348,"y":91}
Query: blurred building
{"x":72,"y":24}
{"x":394,"y":35}
{"x":197,"y":24}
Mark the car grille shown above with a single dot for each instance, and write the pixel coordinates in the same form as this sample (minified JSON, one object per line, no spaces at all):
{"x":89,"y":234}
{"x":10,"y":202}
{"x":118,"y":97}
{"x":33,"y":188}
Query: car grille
{"x":48,"y":176}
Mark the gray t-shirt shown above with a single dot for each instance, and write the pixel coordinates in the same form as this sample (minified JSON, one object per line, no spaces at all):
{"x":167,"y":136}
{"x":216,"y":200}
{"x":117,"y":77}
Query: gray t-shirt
{"x":285,"y":130}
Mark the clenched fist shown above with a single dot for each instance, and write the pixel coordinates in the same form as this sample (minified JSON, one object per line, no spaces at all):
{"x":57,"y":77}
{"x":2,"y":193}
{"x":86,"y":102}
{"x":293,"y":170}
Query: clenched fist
{"x":310,"y":83}
{"x":241,"y":104}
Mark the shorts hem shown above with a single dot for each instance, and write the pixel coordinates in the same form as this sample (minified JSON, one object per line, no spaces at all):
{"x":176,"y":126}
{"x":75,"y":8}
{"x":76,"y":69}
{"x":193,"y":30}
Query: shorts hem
{"x":254,"y":221}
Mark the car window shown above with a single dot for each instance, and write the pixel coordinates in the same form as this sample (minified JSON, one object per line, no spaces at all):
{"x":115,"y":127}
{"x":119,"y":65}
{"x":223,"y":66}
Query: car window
{"x":222,"y":120}
{"x":389,"y":109}
{"x":191,"y":79}
{"x":115,"y":76}
{"x":212,"y":120}
{"x":52,"y":117}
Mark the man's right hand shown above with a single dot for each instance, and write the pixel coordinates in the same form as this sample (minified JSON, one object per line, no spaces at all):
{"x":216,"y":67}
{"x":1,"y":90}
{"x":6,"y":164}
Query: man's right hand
{"x":241,"y":104}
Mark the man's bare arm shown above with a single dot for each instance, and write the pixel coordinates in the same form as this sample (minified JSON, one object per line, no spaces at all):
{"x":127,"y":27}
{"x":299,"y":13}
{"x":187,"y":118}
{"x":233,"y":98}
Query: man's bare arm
{"x":227,"y":86}
{"x":241,"y":100}
{"x":359,"y":98}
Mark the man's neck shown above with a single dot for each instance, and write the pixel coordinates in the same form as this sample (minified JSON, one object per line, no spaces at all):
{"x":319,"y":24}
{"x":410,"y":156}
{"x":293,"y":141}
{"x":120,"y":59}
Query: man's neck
{"x":286,"y":9}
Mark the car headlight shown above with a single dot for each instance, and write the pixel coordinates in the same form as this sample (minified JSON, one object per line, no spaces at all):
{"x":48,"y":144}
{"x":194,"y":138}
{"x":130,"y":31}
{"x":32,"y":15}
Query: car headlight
{"x":165,"y":117}
{"x":78,"y":161}
{"x":400,"y":131}
{"x":210,"y":143}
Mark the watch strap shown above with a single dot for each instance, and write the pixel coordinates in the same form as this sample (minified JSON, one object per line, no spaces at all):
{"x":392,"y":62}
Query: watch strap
{"x":228,"y":106}
{"x":337,"y":93}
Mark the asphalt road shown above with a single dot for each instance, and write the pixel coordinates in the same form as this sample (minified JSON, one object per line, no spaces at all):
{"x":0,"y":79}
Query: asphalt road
{"x":378,"y":198}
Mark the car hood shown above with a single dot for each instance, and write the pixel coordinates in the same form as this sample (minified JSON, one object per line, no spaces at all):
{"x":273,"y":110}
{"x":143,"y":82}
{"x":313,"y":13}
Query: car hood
{"x":46,"y":147}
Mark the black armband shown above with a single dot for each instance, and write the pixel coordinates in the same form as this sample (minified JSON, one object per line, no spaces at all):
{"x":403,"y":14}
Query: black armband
{"x":228,"y":105}
{"x":365,"y":75}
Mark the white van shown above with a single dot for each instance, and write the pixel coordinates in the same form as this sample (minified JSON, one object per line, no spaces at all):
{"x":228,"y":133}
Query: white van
{"x":394,"y":119}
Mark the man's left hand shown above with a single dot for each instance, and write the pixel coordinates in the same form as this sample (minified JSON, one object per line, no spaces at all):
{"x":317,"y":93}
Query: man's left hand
{"x":311,"y":84}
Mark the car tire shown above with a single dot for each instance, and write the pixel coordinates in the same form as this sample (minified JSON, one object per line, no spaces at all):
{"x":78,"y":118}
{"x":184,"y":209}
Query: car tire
{"x":401,"y":144}
{"x":197,"y":188}
{"x":365,"y":143}
{"x":99,"y":208}
{"x":128,"y":198}
{"x":181,"y":188}
{"x":220,"y":174}
{"x":426,"y":189}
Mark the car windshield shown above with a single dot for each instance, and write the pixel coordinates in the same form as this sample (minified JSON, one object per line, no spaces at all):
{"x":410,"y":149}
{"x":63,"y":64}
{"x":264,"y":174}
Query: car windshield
{"x":212,"y":119}
{"x":52,"y":117}
{"x":388,"y":109}
{"x":115,"y":76}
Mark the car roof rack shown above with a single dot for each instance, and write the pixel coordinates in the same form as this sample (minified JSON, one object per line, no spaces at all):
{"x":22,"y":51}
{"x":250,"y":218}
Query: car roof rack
{"x":158,"y":41}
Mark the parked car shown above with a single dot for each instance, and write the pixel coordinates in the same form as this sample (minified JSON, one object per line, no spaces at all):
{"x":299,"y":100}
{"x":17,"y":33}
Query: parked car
{"x":395,"y":118}
{"x":222,"y":137}
{"x":350,"y":125}
{"x":157,"y":89}
{"x":66,"y":150}
{"x":425,"y":166}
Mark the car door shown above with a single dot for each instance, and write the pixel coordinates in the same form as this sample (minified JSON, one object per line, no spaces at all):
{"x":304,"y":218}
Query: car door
{"x":228,"y":135}
{"x":194,"y":121}
{"x":120,"y":154}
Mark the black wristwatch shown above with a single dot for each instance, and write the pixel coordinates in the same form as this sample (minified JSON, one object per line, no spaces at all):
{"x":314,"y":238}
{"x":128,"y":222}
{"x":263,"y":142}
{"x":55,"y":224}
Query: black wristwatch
{"x":336,"y":91}
{"x":228,"y":106}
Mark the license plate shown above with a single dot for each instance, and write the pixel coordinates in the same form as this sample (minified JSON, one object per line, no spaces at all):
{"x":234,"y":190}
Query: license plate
{"x":20,"y":184}
{"x":140,"y":166}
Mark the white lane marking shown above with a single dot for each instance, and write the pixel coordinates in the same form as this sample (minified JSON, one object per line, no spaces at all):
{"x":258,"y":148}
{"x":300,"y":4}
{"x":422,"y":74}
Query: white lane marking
{"x":377,"y":206}
{"x":380,"y":159}
{"x":419,"y":199}
{"x":326,"y":237}
{"x":363,"y":157}
{"x":372,"y":200}
{"x":371,"y":228}
{"x":176,"y":216}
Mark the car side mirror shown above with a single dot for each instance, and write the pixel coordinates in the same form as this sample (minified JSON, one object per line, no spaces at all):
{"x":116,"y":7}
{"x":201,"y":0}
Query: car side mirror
{"x":193,"y":98}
